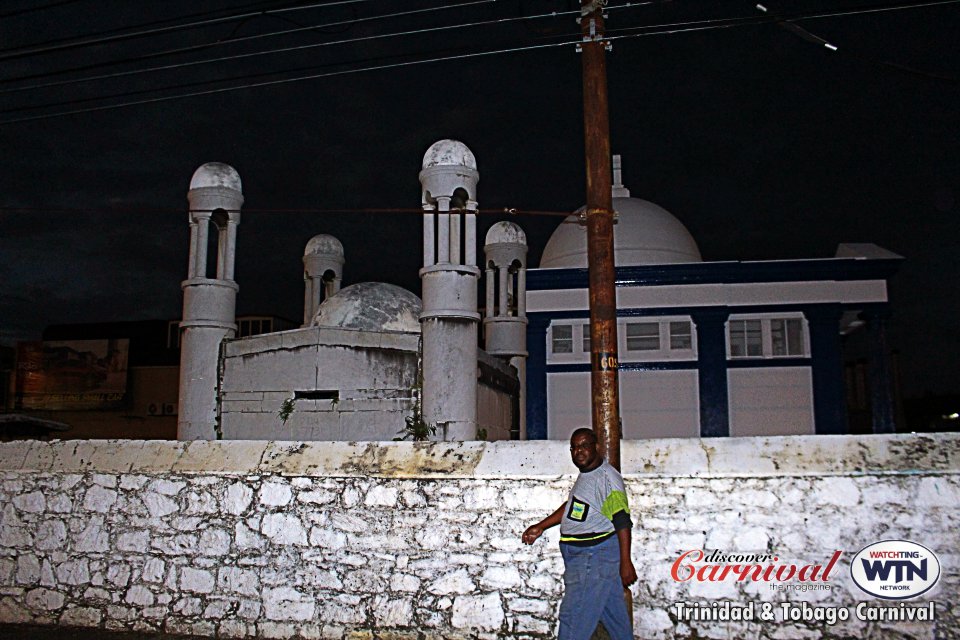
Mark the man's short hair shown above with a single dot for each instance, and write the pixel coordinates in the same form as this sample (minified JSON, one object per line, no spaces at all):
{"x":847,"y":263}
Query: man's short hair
{"x":585,"y":431}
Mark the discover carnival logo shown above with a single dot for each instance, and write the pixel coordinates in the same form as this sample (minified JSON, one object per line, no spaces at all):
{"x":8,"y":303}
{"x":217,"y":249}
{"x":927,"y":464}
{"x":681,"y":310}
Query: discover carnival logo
{"x":895,"y":569}
{"x":717,"y":566}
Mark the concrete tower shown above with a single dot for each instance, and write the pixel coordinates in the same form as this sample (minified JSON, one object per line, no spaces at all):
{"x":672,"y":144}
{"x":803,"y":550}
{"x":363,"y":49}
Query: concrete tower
{"x":449,"y":276}
{"x":322,"y":272}
{"x":209,"y":303}
{"x":505,"y":318}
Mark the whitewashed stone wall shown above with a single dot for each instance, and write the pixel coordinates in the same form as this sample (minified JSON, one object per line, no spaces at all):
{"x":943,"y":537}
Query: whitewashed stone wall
{"x":400,"y":540}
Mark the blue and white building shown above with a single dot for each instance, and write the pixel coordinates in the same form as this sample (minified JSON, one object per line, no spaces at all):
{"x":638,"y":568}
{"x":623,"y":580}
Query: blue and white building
{"x":705,"y":348}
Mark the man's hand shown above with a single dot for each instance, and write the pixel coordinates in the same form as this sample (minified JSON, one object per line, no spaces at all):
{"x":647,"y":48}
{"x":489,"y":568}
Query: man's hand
{"x":532,"y":533}
{"x":628,"y":575}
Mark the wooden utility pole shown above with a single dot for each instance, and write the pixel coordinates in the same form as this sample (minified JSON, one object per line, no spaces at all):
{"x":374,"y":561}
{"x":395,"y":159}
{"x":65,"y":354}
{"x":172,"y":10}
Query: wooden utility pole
{"x":604,"y":379}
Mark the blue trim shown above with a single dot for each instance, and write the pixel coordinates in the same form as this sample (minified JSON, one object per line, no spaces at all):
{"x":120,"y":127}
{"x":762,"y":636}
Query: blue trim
{"x":766,"y":363}
{"x":634,"y":312}
{"x":712,"y":372}
{"x":679,"y":365}
{"x":829,"y":403}
{"x":537,"y":377}
{"x":685,"y":365}
{"x":722,"y":273}
{"x":878,"y":369}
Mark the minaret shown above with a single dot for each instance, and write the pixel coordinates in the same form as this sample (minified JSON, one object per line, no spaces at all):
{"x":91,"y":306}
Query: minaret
{"x":505,"y":316}
{"x":449,"y":282}
{"x":209,"y":303}
{"x":322,"y":272}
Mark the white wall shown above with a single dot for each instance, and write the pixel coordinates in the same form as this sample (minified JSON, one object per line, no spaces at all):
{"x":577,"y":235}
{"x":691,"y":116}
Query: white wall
{"x":653,"y":404}
{"x":402,"y":540}
{"x":771,"y":401}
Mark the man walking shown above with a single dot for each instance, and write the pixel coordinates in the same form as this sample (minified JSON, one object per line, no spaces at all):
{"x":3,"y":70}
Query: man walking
{"x":595,"y":544}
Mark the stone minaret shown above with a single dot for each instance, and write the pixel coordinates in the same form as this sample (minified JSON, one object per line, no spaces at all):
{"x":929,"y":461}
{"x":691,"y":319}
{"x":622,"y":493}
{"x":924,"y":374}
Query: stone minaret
{"x":449,"y":280}
{"x":209,"y":303}
{"x":322,"y":272}
{"x":505,"y":317}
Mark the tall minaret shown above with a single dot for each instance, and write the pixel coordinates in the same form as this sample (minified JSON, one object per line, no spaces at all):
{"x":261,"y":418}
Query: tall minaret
{"x":322,"y":272}
{"x":505,"y":316}
{"x":449,"y":281}
{"x":209,"y":303}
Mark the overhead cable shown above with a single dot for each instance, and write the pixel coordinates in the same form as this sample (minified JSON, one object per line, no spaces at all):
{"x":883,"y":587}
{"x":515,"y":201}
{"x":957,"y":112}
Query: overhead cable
{"x":650,"y":30}
{"x":20,"y":52}
{"x":209,"y":45}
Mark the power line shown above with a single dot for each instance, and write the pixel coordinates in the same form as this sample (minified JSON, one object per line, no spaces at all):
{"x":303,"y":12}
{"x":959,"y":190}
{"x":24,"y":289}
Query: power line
{"x":208,"y":45}
{"x":510,"y":211}
{"x":649,"y":30}
{"x":20,"y":52}
{"x":42,"y":7}
{"x":168,"y":67}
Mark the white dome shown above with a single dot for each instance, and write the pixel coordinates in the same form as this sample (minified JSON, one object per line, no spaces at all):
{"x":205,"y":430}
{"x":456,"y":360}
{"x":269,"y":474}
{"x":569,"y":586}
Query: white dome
{"x":371,"y":306}
{"x":506,"y":232}
{"x":449,"y":153}
{"x":323,"y":244}
{"x":643,"y":234}
{"x":216,"y":174}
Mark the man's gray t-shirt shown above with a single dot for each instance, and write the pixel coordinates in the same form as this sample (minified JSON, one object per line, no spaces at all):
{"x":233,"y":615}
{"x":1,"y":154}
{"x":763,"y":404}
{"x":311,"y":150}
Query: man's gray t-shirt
{"x":597,"y":506}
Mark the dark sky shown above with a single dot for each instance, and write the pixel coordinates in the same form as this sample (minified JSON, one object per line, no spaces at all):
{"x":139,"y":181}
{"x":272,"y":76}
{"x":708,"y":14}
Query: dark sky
{"x":764,"y":144}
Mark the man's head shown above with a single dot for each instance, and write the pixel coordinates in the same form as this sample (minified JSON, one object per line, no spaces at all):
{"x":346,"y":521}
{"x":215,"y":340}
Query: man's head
{"x":583,"y":449}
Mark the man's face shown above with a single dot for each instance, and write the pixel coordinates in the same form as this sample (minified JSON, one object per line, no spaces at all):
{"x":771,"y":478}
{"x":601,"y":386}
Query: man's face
{"x":583,"y":452}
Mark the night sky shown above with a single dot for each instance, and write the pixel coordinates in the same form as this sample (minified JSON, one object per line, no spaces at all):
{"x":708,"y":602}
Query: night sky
{"x":762,"y":141}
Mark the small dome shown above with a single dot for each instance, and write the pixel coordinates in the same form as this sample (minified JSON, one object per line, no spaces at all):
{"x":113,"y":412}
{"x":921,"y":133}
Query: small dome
{"x":323,"y":244}
{"x":216,"y":174}
{"x":371,"y":306}
{"x":644,"y":234}
{"x":449,"y":153}
{"x":506,"y":232}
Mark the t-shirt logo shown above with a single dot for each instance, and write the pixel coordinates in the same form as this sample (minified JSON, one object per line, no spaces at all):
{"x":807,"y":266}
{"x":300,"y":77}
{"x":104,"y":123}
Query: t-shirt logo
{"x":578,"y":510}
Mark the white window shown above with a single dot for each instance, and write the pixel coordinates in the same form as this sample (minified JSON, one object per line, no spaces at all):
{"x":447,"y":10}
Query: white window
{"x":640,"y":340}
{"x":643,"y":336}
{"x":681,"y":336}
{"x":767,"y":337}
{"x":746,"y":339}
{"x":562,"y":338}
{"x":786,"y":336}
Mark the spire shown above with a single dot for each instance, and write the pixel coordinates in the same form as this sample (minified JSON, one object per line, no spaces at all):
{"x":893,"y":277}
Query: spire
{"x":617,"y":189}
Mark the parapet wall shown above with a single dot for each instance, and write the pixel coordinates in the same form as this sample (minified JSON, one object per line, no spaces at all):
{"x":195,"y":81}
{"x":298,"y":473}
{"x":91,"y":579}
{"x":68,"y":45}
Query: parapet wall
{"x":238,"y":539}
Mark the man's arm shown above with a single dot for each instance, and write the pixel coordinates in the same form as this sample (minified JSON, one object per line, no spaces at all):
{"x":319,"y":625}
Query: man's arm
{"x":535,"y":531}
{"x":628,"y":575}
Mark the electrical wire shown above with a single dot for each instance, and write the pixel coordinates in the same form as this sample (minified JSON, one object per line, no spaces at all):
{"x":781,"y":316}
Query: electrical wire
{"x":42,"y":7}
{"x":511,"y":211}
{"x":667,"y":29}
{"x":209,"y":45}
{"x":21,"y":52}
{"x":253,"y":54}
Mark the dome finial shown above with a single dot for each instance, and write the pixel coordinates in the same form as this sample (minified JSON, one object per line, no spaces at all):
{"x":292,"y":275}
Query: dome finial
{"x":617,"y":189}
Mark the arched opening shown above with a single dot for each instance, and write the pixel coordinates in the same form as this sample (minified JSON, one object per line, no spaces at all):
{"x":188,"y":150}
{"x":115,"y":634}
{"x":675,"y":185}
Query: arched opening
{"x":329,"y":279}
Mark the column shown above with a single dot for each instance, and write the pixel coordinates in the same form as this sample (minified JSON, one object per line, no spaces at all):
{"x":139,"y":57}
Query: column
{"x":829,"y":404}
{"x":712,"y":372}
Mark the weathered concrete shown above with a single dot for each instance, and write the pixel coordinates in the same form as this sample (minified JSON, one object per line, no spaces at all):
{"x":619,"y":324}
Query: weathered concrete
{"x":403,"y":540}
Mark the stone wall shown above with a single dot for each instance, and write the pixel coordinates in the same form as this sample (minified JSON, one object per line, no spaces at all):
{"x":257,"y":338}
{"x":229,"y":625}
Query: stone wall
{"x":400,"y":540}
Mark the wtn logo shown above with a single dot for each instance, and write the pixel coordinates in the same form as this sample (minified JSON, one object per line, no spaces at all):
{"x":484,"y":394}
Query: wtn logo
{"x":903,"y":570}
{"x":895,"y":569}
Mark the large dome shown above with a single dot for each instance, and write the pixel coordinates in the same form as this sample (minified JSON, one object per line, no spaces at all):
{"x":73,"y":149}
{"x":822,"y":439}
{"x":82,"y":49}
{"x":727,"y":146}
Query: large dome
{"x":643,"y":234}
{"x":371,"y":306}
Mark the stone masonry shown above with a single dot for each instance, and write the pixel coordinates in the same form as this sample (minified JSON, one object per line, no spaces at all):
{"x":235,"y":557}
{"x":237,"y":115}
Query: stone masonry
{"x":401,"y":540}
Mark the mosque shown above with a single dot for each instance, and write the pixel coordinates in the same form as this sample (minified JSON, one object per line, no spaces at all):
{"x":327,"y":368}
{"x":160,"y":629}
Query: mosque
{"x":705,"y":348}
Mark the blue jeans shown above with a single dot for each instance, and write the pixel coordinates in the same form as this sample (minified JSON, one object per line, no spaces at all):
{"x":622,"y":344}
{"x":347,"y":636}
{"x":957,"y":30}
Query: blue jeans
{"x":593,"y":592}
